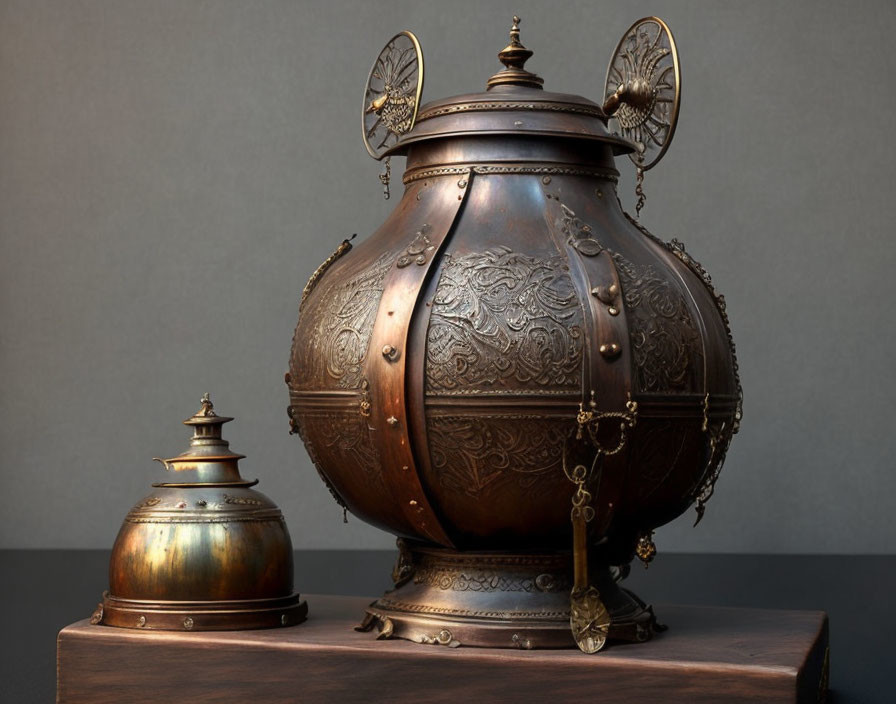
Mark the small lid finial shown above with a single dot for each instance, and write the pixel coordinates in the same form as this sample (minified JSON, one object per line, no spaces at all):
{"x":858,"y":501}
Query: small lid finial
{"x":207,"y":409}
{"x":205,"y":422}
{"x":515,"y":32}
{"x":514,"y":57}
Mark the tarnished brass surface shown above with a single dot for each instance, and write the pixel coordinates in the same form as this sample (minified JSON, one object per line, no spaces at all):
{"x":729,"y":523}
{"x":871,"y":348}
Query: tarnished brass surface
{"x":203,"y":551}
{"x":508,"y":323}
{"x":498,"y":600}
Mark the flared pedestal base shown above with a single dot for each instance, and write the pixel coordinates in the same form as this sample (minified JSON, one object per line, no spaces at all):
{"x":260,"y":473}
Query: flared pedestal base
{"x":200,"y":615}
{"x":496,"y":600}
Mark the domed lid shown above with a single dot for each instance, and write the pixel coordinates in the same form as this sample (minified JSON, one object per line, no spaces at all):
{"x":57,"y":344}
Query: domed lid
{"x":514,"y":103}
{"x":209,"y":460}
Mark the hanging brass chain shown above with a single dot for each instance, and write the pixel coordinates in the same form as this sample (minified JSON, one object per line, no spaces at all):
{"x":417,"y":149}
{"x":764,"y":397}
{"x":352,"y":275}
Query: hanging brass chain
{"x":589,"y":619}
{"x":716,"y":434}
{"x":589,"y":421}
{"x":386,"y":176}
{"x":639,"y":191}
{"x":581,"y":500}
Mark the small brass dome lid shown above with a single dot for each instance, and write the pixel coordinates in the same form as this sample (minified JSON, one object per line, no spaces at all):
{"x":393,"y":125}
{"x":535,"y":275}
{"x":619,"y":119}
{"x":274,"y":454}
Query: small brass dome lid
{"x":203,"y":551}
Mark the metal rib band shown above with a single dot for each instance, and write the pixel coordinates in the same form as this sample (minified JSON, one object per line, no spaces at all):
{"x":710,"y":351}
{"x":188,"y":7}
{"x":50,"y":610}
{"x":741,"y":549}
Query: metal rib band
{"x":512,"y":105}
{"x":486,"y":169}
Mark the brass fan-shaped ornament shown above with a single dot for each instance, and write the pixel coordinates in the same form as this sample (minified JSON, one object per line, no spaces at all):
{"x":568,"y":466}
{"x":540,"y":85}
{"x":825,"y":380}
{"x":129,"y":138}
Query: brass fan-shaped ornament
{"x":392,"y":97}
{"x":643,"y":91}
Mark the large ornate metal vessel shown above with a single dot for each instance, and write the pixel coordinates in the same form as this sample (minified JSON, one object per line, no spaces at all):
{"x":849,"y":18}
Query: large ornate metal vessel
{"x":511,"y":373}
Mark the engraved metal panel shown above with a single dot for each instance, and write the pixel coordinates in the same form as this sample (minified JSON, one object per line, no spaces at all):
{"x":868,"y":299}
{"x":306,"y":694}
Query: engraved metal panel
{"x":504,"y":321}
{"x":337,"y":324}
{"x":475,"y":454}
{"x":666,"y":347}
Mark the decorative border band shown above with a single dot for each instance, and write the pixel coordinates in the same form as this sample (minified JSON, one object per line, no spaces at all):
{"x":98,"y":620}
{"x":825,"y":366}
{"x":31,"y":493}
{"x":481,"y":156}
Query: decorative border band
{"x":512,"y":105}
{"x":486,"y":169}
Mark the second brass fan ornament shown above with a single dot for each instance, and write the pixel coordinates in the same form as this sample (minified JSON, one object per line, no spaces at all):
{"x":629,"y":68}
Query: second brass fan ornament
{"x":392,"y":97}
{"x":643,"y":91}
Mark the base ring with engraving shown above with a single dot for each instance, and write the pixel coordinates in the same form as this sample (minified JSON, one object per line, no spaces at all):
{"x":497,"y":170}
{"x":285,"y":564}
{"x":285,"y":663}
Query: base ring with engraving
{"x":200,"y":615}
{"x":495,"y":600}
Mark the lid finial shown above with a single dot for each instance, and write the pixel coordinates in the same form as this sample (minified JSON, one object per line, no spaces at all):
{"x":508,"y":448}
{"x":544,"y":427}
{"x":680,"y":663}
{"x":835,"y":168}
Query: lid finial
{"x":514,"y":57}
{"x":207,"y":406}
{"x":515,"y":32}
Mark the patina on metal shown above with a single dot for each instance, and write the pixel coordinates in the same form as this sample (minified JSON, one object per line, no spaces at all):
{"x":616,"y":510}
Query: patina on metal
{"x":204,"y":551}
{"x":512,"y":374}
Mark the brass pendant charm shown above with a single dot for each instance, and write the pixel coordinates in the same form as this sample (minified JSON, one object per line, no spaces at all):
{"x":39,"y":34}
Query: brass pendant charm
{"x":588,"y":619}
{"x":646,"y":549}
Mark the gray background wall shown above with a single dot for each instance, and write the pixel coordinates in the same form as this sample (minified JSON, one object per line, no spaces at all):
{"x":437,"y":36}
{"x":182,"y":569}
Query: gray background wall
{"x":172,"y":172}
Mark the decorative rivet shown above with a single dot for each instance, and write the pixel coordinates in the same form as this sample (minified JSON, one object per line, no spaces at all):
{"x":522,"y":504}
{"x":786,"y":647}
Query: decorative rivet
{"x":546,"y":180}
{"x":412,"y":502}
{"x":283,"y":620}
{"x":524,"y":643}
{"x":188,"y":623}
{"x":546,"y":582}
{"x":606,"y":294}
{"x":462,"y":183}
{"x":612,"y":310}
{"x":180,"y":504}
{"x":600,"y":193}
{"x":405,"y":467}
{"x":392,"y":420}
{"x":390,"y":353}
{"x":202,"y":503}
{"x":517,"y":123}
{"x":610,"y":350}
{"x":141,"y":622}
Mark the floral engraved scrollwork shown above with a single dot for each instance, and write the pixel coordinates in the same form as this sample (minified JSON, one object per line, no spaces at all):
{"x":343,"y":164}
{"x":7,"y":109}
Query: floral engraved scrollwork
{"x":340,"y":321}
{"x":677,"y":248}
{"x":666,"y":345}
{"x":470,"y":454}
{"x":301,"y":429}
{"x":719,"y":433}
{"x":348,"y":435}
{"x":504,"y":320}
{"x":656,"y":453}
{"x":486,"y":581}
